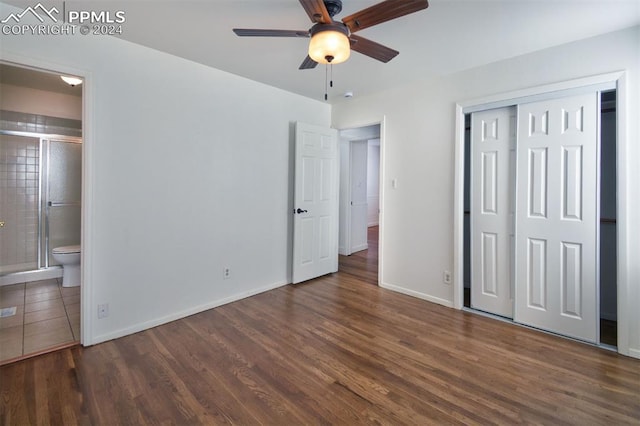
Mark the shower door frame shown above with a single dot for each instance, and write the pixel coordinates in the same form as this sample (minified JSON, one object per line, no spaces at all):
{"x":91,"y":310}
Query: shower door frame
{"x":42,"y":260}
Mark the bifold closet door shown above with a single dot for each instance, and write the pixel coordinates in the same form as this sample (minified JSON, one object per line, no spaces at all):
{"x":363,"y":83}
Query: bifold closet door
{"x":492,"y":176}
{"x":556,"y":219}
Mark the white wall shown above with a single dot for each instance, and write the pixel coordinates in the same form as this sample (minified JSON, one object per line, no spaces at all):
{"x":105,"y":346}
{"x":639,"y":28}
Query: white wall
{"x":41,"y":102}
{"x":187,"y":170}
{"x":419,"y":154}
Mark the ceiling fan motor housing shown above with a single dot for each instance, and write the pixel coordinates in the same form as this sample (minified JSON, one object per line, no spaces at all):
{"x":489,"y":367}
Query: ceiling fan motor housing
{"x":333,"y":7}
{"x":334,"y":26}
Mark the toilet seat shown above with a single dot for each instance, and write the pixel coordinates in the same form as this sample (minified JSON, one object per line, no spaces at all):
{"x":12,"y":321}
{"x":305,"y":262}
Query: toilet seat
{"x":67,"y":249}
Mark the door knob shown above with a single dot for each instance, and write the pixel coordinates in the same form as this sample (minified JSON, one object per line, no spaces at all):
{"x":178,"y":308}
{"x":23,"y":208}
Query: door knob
{"x":300,"y":210}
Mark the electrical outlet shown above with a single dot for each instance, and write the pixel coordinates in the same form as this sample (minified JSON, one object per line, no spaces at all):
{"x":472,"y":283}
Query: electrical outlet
{"x":446,"y":277}
{"x":103,"y":310}
{"x":226,"y":273}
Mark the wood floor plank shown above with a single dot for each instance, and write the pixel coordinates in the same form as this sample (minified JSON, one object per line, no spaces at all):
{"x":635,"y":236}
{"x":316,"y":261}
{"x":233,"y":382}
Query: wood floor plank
{"x":335,"y":350}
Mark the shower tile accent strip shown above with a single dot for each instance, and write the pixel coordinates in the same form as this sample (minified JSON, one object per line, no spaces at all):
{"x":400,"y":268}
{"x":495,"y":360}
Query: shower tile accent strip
{"x":34,"y":123}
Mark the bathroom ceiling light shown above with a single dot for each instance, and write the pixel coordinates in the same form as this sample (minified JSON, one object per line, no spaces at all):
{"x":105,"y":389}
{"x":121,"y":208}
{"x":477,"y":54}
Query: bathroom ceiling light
{"x":71,"y":81}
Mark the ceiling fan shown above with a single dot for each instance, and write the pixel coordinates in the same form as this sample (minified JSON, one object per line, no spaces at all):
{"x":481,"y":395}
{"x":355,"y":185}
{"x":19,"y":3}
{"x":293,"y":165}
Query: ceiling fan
{"x":332,"y":41}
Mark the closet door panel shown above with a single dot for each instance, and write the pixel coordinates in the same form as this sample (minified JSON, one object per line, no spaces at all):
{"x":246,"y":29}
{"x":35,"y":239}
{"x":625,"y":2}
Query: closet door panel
{"x":492,"y":144}
{"x":556,"y":216}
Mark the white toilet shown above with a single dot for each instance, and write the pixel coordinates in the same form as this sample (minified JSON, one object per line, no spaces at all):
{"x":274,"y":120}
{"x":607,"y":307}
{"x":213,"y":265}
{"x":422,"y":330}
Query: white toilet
{"x":69,"y":258}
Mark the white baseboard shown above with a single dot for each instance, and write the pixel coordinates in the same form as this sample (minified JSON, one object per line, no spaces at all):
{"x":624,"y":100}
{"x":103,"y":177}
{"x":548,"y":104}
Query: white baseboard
{"x":419,"y":295}
{"x":359,"y":248}
{"x":181,"y":314}
{"x":634,"y":353}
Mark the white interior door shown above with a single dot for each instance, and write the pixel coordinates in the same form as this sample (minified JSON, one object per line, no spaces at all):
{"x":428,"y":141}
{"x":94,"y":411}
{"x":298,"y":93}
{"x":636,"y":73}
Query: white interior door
{"x":373,"y":183}
{"x":492,"y":141}
{"x":315,"y":223}
{"x":358,"y":189}
{"x":556,"y":220}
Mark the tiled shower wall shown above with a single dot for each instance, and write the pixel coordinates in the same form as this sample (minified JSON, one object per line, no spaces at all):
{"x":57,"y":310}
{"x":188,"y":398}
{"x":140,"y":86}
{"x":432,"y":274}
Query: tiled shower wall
{"x":19,"y":163}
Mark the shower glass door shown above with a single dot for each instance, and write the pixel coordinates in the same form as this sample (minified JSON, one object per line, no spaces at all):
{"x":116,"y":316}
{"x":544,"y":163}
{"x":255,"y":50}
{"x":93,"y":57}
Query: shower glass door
{"x":63,"y":195}
{"x":19,"y":203}
{"x":40,"y":209}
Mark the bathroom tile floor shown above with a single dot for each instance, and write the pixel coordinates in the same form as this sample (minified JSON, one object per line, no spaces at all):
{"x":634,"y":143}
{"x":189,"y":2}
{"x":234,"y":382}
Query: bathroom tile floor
{"x":47,"y":315}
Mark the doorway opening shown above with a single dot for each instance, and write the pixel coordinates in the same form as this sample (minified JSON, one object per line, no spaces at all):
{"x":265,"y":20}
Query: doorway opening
{"x":608,"y":221}
{"x":607,"y":227}
{"x":41,"y":154}
{"x":359,"y":229}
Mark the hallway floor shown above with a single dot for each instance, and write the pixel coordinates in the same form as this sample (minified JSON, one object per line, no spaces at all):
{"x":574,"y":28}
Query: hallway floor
{"x":47,"y":316}
{"x":363,"y":264}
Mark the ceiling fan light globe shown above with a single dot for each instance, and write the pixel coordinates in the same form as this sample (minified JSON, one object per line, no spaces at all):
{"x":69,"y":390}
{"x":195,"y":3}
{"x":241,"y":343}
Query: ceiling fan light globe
{"x":329,"y":46}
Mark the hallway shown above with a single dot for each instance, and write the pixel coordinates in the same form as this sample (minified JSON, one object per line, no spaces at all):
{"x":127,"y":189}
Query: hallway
{"x":363,"y":264}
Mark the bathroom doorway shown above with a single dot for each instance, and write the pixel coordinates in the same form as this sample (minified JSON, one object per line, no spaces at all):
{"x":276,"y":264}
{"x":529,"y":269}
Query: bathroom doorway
{"x":40,"y":209}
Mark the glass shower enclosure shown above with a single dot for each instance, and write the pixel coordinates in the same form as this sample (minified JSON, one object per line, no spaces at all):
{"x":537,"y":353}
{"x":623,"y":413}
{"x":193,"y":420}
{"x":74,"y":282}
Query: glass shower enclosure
{"x":40,"y":201}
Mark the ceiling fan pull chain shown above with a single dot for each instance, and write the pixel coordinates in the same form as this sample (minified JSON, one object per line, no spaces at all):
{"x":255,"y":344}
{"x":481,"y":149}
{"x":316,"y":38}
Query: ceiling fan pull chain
{"x":325,"y":82}
{"x":331,"y":81}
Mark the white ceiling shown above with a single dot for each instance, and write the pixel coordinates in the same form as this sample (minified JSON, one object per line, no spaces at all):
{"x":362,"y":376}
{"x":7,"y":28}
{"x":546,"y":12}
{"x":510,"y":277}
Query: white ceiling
{"x":449,"y":36}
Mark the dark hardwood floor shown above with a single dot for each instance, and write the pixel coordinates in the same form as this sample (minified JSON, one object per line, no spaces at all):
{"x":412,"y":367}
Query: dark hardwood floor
{"x":334,"y":350}
{"x":363,"y":264}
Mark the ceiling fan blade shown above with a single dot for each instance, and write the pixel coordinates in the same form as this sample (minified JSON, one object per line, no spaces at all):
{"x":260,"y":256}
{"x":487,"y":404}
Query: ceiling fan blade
{"x":317,"y":11}
{"x":383,"y":12}
{"x":372,"y":49}
{"x":254,"y":32}
{"x":308,"y":63}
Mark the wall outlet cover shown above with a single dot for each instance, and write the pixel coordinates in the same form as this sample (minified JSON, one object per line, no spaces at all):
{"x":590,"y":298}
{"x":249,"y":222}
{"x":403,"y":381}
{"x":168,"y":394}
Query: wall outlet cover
{"x":103,"y":310}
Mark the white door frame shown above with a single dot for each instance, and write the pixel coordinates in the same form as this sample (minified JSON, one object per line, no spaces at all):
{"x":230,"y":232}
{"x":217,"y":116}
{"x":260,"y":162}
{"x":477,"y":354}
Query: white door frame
{"x":381,"y":177}
{"x":86,"y":292}
{"x":617,"y":80}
